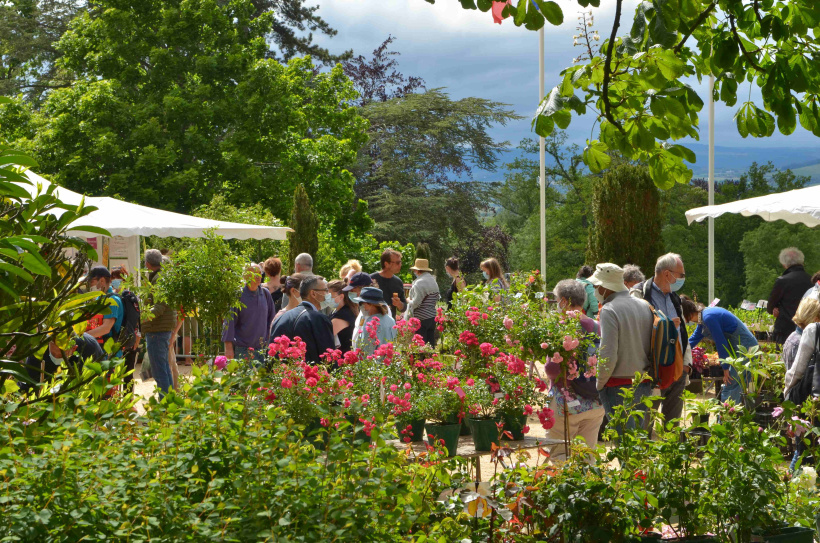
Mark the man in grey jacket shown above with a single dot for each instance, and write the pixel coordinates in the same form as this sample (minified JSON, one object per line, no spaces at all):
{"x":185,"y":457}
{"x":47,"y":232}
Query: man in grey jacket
{"x":626,"y":329}
{"x":661,"y":292}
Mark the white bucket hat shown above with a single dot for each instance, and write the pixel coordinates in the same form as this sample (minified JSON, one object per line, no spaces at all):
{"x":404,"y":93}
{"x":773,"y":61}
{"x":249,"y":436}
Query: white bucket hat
{"x":610,"y":276}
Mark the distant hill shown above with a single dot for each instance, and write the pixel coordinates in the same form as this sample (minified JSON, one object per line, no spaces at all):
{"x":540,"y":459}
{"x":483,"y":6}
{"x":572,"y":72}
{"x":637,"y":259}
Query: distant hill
{"x":730,"y":162}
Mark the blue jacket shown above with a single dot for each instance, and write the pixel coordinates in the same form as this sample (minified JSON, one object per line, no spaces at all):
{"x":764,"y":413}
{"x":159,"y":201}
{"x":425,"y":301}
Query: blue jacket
{"x":313,"y":327}
{"x":726,"y":330}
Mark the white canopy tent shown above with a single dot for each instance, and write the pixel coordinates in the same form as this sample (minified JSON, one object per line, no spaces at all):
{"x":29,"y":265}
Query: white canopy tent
{"x":127,"y":222}
{"x":795,"y":206}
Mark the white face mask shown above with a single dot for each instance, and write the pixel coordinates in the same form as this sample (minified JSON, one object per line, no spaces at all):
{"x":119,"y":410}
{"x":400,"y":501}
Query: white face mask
{"x":599,"y":296}
{"x":328,"y":301}
{"x":57,"y":361}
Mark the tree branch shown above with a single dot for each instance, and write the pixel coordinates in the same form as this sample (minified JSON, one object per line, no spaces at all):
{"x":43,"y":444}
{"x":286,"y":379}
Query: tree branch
{"x":746,"y":54}
{"x":607,"y":68}
{"x":699,"y":21}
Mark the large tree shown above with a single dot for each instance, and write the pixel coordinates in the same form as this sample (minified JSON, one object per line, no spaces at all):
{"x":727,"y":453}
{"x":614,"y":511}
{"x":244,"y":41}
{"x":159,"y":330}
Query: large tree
{"x":416,"y":170}
{"x":177,"y":102}
{"x":29,"y":30}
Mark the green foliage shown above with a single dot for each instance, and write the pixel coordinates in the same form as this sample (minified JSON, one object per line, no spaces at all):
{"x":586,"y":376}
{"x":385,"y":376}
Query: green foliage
{"x":305,"y":224}
{"x":189,"y":106}
{"x":761,"y":247}
{"x":635,"y":83}
{"x":366,"y":249}
{"x":29,"y":30}
{"x":423,"y":251}
{"x":38,"y":282}
{"x":203,"y":280}
{"x":628,"y":218}
{"x":214,"y":463}
{"x":256,"y":250}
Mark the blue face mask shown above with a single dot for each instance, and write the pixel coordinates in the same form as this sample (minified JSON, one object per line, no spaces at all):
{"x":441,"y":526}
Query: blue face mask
{"x":115,"y":284}
{"x":328,"y":301}
{"x":677,"y":285}
{"x":486,"y":275}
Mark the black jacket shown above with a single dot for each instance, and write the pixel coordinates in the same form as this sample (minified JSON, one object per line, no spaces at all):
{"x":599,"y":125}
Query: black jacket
{"x":642,"y":290}
{"x":786,"y":294}
{"x":87,"y":348}
{"x":314,"y":328}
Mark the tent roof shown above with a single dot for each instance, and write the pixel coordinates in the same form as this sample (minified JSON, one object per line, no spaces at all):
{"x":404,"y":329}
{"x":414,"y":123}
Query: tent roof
{"x":127,"y":219}
{"x":794,"y":206}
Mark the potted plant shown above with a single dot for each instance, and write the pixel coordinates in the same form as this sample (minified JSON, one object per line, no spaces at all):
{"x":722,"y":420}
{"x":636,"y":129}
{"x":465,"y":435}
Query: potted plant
{"x":437,"y":406}
{"x":481,"y":400}
{"x":520,"y":394}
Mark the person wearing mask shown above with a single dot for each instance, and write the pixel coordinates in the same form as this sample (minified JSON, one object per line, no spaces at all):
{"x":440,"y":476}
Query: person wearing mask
{"x":389,"y":282}
{"x":130,"y":333}
{"x":494,"y":275}
{"x":159,"y":329}
{"x":356,"y":283}
{"x":273,"y":280}
{"x":458,"y":284}
{"x":728,"y":332}
{"x":350,"y":265}
{"x":373,"y":309}
{"x":577,"y":399}
{"x":806,"y":318}
{"x":105,"y":325}
{"x":626,"y":329}
{"x":633,"y":275}
{"x":247,"y":329}
{"x":344,"y":317}
{"x":303,"y":265}
{"x":306,"y":320}
{"x":42,"y":369}
{"x":662,"y":292}
{"x":591,"y":304}
{"x":422,"y":300}
{"x":787,"y":292}
{"x":291,"y":294}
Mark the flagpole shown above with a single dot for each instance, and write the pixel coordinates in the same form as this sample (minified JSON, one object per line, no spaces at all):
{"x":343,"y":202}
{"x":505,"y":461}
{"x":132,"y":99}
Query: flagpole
{"x":711,"y":188}
{"x":543,"y":176}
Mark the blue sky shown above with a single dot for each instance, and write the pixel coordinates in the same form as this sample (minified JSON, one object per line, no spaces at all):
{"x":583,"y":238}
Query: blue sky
{"x":468,"y":54}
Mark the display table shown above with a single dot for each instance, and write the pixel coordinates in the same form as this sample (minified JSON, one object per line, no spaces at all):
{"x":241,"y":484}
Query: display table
{"x":466,"y":447}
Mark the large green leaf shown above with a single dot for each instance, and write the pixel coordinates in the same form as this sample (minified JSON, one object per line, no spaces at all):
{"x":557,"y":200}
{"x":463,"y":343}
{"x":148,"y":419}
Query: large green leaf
{"x":551,"y":11}
{"x":596,"y":157}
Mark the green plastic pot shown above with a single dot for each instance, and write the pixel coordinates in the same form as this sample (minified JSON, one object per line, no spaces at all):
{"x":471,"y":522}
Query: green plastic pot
{"x":416,"y":430}
{"x":447,"y":432}
{"x":465,"y":427}
{"x":514,"y":424}
{"x":796,"y":534}
{"x":485,"y":433}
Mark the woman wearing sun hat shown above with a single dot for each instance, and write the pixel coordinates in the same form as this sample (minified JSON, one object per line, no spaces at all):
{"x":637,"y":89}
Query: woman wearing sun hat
{"x":374,"y":325}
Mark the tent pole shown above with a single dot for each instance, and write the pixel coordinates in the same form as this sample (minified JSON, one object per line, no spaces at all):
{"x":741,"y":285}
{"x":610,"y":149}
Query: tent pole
{"x":542,"y":176}
{"x":711,"y":188}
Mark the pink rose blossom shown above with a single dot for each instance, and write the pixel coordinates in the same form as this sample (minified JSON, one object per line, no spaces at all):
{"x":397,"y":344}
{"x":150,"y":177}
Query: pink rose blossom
{"x":220,"y":362}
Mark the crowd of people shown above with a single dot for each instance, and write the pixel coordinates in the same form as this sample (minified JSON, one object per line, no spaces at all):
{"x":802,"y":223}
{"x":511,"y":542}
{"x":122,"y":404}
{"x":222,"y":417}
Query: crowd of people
{"x":619,"y":307}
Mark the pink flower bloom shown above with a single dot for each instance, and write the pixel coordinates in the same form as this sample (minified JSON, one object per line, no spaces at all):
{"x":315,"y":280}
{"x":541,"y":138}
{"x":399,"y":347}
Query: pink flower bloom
{"x":220,"y":362}
{"x":347,"y":403}
{"x":777,"y":411}
{"x":312,"y":382}
{"x":287,"y":383}
{"x":394,"y":388}
{"x":545,"y":345}
{"x":527,"y":410}
{"x":557,"y":358}
{"x":570,"y":343}
{"x":508,"y":323}
{"x":407,"y":386}
{"x":324,"y":422}
{"x":470,"y":382}
{"x":525,"y":430}
{"x":592,"y":361}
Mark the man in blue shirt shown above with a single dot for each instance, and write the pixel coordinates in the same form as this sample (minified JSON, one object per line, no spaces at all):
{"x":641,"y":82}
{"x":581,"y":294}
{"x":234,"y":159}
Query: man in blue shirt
{"x":247,"y":329}
{"x":661,"y":292}
{"x":106,"y":324}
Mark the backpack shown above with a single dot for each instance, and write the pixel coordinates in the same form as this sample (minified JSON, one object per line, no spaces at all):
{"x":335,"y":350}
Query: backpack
{"x":130,"y":320}
{"x":666,"y":359}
